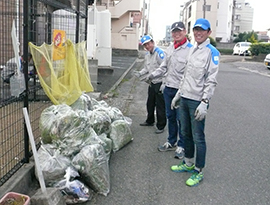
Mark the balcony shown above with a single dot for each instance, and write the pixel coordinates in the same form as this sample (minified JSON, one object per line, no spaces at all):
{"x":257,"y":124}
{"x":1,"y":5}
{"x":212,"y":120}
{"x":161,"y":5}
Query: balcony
{"x":119,"y":8}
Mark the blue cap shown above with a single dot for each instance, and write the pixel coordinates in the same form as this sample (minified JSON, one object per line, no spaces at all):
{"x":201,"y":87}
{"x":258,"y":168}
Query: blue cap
{"x":145,"y":39}
{"x":203,"y":23}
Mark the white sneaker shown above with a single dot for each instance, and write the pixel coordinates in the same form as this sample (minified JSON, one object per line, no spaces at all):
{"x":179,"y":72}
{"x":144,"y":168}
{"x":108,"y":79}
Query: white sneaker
{"x":179,"y":153}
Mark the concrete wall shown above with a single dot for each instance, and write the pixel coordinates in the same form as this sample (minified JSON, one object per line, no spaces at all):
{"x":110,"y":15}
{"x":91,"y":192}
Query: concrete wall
{"x":122,"y":35}
{"x":125,"y":40}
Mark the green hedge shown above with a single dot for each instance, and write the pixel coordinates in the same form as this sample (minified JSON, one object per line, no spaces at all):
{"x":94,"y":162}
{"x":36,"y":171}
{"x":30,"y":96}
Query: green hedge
{"x":225,"y":51}
{"x":260,"y":48}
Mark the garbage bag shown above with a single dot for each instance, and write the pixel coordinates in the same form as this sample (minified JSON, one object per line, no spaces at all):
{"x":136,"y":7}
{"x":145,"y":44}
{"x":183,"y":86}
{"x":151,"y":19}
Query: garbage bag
{"x":120,"y":134}
{"x":106,"y":143}
{"x":100,"y":121}
{"x":83,"y":103}
{"x":99,"y":104}
{"x":113,"y":112}
{"x":93,"y":166}
{"x":52,"y":164}
{"x":74,"y":191}
{"x":48,"y":121}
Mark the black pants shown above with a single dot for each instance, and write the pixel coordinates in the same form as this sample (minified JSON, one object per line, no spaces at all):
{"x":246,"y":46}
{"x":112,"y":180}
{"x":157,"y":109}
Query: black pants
{"x":155,"y":100}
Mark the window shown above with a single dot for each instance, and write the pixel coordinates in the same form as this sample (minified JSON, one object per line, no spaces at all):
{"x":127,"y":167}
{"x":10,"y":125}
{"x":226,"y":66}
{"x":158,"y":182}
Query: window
{"x":189,"y":12}
{"x":207,"y":8}
{"x":238,"y":5}
{"x":188,"y":27}
{"x":217,"y":23}
{"x":237,"y":28}
{"x":237,"y":17}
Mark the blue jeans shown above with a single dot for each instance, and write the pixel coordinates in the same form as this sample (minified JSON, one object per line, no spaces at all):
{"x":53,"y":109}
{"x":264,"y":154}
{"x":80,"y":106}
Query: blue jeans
{"x":173,"y":117}
{"x":192,"y":131}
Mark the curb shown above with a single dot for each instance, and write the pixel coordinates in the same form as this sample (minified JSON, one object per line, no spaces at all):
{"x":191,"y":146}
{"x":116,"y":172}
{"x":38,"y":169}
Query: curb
{"x":121,"y":78}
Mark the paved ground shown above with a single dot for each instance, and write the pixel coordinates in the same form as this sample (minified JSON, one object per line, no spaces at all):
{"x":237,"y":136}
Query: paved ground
{"x":140,"y":174}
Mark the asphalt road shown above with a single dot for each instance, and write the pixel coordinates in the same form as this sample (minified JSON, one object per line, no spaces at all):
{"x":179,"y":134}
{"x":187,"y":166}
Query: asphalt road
{"x":237,"y":134}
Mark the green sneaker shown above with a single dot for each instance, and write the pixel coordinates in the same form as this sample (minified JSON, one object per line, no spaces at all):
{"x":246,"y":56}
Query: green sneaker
{"x":195,"y":179}
{"x":182,"y":168}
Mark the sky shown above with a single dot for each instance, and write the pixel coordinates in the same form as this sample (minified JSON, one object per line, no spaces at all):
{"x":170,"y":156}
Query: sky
{"x":162,"y":13}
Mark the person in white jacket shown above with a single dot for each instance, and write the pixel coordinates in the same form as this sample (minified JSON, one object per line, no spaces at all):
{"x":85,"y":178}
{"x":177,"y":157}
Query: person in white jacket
{"x":173,"y":69}
{"x":155,"y":101}
{"x":195,"y":90}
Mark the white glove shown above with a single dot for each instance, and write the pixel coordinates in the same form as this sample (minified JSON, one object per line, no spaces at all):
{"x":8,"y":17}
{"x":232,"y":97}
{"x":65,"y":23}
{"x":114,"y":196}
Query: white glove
{"x":161,"y":89}
{"x":176,"y":100}
{"x":150,"y":77}
{"x":201,"y":111}
{"x":136,"y":74}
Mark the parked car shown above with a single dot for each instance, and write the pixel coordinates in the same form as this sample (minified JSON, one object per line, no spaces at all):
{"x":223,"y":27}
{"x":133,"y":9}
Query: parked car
{"x":267,"y":61}
{"x":241,"y":48}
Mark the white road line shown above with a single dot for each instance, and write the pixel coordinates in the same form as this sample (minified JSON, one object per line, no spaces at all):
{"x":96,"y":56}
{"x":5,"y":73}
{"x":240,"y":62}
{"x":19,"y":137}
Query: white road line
{"x":254,"y":71}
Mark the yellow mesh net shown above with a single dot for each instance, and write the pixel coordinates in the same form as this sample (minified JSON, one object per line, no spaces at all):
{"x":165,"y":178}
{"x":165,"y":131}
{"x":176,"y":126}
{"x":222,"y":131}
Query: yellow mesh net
{"x":63,"y":80}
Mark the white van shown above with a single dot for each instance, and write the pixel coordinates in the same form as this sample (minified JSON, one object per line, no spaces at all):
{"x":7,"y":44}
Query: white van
{"x":241,"y":48}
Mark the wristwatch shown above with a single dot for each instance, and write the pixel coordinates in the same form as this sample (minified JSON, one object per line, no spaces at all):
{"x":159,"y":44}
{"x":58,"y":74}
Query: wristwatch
{"x":205,"y":100}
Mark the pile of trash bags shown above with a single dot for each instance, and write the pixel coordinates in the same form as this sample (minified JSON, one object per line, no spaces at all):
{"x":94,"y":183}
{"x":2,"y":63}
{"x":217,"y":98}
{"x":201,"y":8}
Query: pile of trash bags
{"x":77,"y":141}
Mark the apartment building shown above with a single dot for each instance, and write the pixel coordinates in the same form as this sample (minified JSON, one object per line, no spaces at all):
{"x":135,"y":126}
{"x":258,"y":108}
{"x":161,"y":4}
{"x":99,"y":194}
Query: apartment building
{"x":168,"y":35}
{"x":126,"y":18}
{"x":243,"y":18}
{"x":193,"y":10}
{"x":224,"y":22}
{"x":227,"y":17}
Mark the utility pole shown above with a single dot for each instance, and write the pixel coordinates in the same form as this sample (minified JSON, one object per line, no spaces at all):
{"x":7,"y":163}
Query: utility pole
{"x":143,"y":14}
{"x":204,"y":8}
{"x":148,"y":17}
{"x":233,"y":19}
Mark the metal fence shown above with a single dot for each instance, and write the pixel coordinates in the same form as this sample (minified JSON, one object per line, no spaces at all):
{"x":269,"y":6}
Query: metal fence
{"x":35,"y":21}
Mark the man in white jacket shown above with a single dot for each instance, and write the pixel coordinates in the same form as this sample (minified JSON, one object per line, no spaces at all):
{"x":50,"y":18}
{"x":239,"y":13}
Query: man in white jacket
{"x":155,"y":101}
{"x":173,"y":69}
{"x":195,"y":90}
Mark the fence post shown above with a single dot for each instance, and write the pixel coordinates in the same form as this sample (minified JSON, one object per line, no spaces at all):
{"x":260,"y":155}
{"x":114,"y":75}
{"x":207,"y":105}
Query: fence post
{"x":25,"y":70}
{"x":78,"y":22}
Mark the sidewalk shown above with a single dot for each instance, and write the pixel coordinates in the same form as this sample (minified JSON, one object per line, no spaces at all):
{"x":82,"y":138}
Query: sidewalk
{"x":23,"y":181}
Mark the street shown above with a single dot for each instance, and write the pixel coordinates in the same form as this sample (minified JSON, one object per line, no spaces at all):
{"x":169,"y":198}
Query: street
{"x":237,"y":138}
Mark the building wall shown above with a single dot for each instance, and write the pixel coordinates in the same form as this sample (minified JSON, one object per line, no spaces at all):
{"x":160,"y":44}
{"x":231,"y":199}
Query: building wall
{"x":122,"y":35}
{"x":168,"y":35}
{"x":194,"y":10}
{"x":243,"y":20}
{"x":224,"y":20}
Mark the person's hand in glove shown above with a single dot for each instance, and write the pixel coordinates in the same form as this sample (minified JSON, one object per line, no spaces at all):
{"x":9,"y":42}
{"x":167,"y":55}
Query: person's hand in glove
{"x":201,"y":111}
{"x":176,"y":100}
{"x":162,"y":87}
{"x":136,"y":74}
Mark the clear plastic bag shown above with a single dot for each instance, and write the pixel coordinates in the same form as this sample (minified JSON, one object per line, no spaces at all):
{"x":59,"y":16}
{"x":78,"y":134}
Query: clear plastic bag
{"x":52,"y":164}
{"x":83,"y":103}
{"x":74,"y":191}
{"x":120,"y":134}
{"x":100,"y":121}
{"x":48,"y":122}
{"x":93,"y":165}
{"x":106,"y":143}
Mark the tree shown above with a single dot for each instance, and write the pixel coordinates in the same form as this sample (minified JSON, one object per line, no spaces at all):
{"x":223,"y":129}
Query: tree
{"x":250,"y":37}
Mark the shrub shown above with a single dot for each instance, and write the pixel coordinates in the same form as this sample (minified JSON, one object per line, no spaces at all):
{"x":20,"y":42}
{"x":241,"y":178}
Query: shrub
{"x":225,"y":51}
{"x":260,"y":48}
{"x":212,"y":41}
